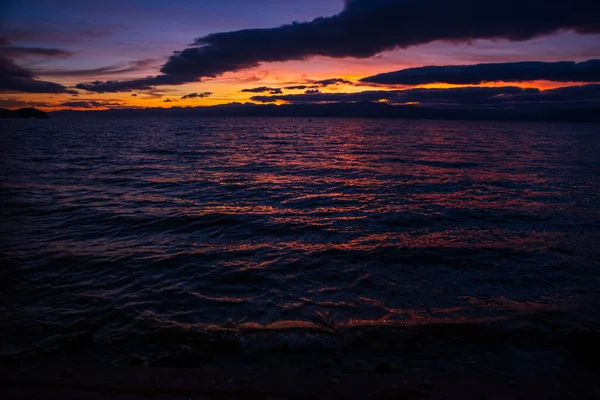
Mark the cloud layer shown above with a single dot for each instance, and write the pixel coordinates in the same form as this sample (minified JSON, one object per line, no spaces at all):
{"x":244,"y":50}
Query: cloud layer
{"x":133,"y":66}
{"x":469,"y":97}
{"x":13,"y":77}
{"x":128,"y":86}
{"x":19,"y":79}
{"x":563,"y":71}
{"x":368,"y":27}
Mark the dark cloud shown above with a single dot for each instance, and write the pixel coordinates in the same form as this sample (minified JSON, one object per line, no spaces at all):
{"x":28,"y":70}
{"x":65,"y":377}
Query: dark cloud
{"x":312,"y":91}
{"x":133,"y":95}
{"x":16,"y":78}
{"x":117,"y":86}
{"x":168,"y":101}
{"x":263,"y":89}
{"x":563,"y":71}
{"x":196,"y":95}
{"x":10,"y":51}
{"x":311,"y":85}
{"x":133,"y":66}
{"x":301,"y":87}
{"x":329,"y":82}
{"x":87,"y":104}
{"x":368,"y":27}
{"x":147,"y":83}
{"x":456,"y":97}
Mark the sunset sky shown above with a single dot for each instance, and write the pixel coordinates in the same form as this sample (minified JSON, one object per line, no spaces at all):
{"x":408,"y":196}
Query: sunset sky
{"x":75,"y":54}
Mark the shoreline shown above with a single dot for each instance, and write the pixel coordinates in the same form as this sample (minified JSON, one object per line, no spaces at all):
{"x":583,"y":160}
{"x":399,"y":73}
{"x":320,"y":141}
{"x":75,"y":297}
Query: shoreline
{"x":292,"y":381}
{"x":463,"y":363}
{"x":191,"y":345}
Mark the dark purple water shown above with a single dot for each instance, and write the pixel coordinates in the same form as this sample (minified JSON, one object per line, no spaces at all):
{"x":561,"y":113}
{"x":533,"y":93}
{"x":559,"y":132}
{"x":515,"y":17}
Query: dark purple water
{"x":135,"y":229}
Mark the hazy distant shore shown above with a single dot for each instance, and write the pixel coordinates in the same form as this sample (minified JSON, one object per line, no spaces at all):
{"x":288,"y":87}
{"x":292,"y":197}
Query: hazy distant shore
{"x":349,"y":110}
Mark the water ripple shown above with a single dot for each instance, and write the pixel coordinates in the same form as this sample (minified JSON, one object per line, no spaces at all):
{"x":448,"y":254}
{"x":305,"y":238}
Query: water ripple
{"x":175,"y":228}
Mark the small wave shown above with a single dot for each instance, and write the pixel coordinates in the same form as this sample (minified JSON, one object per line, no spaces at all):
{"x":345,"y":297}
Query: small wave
{"x":448,"y":164}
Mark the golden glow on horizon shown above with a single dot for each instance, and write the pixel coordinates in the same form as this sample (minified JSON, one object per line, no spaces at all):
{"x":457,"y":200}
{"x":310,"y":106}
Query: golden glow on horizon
{"x":542,"y":85}
{"x":228,"y":89}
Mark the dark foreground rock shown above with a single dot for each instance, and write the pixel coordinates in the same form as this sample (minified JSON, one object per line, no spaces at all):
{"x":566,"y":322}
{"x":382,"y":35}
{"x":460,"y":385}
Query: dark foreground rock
{"x":458,"y":371}
{"x":429,"y":362}
{"x":81,"y":381}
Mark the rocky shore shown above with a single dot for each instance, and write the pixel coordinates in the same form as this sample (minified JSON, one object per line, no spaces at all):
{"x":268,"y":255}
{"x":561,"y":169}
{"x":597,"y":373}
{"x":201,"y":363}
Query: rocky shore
{"x":429,"y":367}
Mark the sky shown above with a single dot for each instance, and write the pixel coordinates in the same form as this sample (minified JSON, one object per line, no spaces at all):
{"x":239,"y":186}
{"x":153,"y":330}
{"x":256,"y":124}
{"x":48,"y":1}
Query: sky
{"x":68,"y":54}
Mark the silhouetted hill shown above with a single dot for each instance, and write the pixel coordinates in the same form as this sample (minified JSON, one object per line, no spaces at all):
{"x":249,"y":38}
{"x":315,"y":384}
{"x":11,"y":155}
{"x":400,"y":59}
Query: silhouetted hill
{"x":23,"y":113}
{"x":352,"y":110}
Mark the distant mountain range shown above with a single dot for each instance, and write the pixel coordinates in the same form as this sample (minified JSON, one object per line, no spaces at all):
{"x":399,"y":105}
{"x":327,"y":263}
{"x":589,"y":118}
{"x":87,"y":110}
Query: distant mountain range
{"x":23,"y":113}
{"x":338,"y":110}
{"x":347,"y":110}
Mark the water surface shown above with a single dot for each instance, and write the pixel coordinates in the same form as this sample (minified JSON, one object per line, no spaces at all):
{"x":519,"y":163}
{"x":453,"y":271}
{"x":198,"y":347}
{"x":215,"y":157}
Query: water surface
{"x":138,"y":228}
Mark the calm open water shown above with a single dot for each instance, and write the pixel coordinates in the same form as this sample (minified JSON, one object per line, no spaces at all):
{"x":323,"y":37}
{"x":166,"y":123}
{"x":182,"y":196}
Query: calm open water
{"x":138,"y":228}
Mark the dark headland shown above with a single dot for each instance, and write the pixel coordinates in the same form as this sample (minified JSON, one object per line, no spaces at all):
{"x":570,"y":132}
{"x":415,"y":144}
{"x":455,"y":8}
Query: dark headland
{"x":23,"y":113}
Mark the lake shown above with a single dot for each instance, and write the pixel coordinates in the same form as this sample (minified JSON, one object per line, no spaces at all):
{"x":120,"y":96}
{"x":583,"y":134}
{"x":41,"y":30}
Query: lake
{"x":147,"y":232}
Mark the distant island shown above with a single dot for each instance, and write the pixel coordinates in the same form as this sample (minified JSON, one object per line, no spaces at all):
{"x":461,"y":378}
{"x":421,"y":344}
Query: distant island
{"x":23,"y":113}
{"x":347,"y":110}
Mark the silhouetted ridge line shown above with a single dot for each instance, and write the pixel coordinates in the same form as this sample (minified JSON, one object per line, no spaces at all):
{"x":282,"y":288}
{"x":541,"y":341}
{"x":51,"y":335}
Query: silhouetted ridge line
{"x":349,"y":110}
